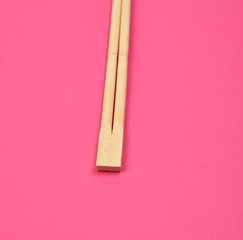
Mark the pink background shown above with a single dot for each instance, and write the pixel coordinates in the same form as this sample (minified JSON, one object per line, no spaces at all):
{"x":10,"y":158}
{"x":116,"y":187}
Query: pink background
{"x":182,"y":175}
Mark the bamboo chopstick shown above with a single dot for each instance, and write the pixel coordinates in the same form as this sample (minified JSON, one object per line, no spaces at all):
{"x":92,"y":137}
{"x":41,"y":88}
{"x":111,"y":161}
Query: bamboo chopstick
{"x":112,"y":124}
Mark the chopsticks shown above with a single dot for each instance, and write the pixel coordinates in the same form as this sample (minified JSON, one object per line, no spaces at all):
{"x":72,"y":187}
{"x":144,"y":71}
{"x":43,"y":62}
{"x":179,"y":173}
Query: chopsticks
{"x":109,"y":154}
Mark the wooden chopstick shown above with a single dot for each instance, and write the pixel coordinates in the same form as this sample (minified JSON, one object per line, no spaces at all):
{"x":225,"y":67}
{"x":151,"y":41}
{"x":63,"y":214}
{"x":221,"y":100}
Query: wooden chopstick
{"x":112,"y":124}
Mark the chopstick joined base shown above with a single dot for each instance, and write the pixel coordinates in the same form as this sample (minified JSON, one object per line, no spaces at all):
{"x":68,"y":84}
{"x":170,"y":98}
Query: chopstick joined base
{"x":110,"y":148}
{"x":112,"y":124}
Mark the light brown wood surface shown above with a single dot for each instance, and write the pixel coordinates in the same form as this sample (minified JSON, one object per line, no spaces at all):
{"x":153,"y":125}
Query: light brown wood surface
{"x":109,"y":154}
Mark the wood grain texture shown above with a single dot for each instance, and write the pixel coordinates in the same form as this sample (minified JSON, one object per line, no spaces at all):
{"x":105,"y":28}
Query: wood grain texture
{"x":111,"y":132}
